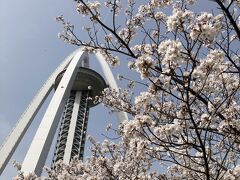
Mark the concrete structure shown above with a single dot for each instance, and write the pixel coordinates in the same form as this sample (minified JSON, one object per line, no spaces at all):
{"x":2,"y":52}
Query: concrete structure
{"x":74,"y":83}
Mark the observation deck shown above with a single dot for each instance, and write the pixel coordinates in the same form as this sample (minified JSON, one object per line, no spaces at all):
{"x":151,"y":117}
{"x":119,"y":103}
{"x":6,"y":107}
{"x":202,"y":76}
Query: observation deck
{"x":86,"y":79}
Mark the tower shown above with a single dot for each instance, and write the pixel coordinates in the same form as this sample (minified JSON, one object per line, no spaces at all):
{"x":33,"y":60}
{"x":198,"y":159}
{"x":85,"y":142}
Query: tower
{"x":72,"y":134}
{"x":75,"y":85}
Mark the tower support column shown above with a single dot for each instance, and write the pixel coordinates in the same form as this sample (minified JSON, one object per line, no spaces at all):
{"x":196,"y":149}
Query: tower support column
{"x":72,"y":127}
{"x":72,"y":133}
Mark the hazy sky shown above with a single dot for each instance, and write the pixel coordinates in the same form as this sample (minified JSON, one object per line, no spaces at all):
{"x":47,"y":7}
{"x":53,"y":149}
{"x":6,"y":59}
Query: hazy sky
{"x":29,"y":52}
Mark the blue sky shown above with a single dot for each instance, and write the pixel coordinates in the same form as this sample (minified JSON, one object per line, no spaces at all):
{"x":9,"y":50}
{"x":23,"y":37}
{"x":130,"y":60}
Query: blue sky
{"x":29,"y":52}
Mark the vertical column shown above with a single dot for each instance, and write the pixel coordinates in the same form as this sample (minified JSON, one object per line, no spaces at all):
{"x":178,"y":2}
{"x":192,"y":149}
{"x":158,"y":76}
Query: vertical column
{"x":72,"y":135}
{"x":64,"y":127}
{"x":72,"y":127}
{"x":81,"y":127}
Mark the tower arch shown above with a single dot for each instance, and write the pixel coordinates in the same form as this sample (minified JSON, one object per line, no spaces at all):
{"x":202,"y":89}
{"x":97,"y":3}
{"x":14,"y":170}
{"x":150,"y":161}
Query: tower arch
{"x":39,"y":148}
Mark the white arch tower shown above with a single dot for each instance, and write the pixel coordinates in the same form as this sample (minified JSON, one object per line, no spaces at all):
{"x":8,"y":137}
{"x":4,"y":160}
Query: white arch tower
{"x":73,"y":82}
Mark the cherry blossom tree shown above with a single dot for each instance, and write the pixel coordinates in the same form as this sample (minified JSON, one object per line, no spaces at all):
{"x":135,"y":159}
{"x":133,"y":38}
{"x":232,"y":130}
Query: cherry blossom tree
{"x":185,"y":123}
